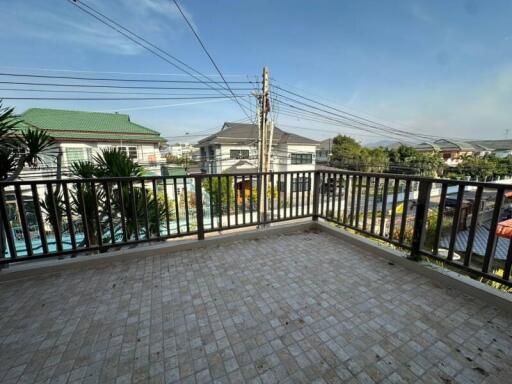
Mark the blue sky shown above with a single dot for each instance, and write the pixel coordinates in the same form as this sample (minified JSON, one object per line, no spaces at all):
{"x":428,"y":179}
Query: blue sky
{"x":438,"y":67}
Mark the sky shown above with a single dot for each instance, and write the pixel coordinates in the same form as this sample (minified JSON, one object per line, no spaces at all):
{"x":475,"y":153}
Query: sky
{"x":434,"y":66}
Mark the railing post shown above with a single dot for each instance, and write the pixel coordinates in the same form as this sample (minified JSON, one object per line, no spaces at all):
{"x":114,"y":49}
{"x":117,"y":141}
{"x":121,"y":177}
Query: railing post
{"x":199,"y":207}
{"x":420,"y":219}
{"x":316,"y":192}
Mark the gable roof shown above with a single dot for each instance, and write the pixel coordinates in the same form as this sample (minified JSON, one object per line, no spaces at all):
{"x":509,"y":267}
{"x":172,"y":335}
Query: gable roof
{"x":90,"y":126}
{"x":237,"y":133}
{"x":494,"y":144}
{"x":451,"y":145}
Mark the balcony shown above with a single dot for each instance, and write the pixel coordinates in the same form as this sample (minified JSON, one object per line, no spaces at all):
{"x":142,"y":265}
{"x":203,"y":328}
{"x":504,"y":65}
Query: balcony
{"x":301,"y":301}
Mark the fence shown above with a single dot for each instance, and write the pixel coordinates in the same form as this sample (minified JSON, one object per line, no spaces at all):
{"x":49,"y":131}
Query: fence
{"x":451,"y":221}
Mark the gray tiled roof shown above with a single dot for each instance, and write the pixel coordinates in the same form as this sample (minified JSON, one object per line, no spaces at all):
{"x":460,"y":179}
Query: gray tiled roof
{"x":493,"y":144}
{"x":237,"y":133}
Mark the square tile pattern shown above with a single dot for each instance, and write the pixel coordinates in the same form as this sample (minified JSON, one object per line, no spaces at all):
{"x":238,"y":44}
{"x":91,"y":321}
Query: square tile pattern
{"x":298,"y":308}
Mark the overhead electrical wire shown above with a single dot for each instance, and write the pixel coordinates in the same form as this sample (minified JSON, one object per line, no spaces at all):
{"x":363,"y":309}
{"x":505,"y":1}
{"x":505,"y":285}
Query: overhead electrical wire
{"x":207,"y":53}
{"x":122,"y":80}
{"x":150,"y":47}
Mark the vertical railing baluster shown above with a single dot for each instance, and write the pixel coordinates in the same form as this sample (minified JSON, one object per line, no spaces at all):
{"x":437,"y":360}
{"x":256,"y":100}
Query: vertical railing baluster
{"x":353,"y":200}
{"x":366,"y":202}
{"x":339,"y":189}
{"x":327,"y":194}
{"x":187,"y":213}
{"x":439,"y":220}
{"x":219,"y":200}
{"x":23,"y":219}
{"x":285,"y":195}
{"x":212,"y":215}
{"x":297,"y":192}
{"x":316,"y":197}
{"x":491,"y":241}
{"x":54,"y":211}
{"x":83,"y":213}
{"x":333,"y":197}
{"x":473,"y":225}
{"x":199,"y":207}
{"x":309,"y":194}
{"x":122,"y":209}
{"x":146,"y":213}
{"x":322,"y":194}
{"x":396,"y":184}
{"x":7,"y":226}
{"x":279,"y":190}
{"x":166,"y":206}
{"x":228,"y":197}
{"x":265,"y":198}
{"x":99,"y":230}
{"x":135,"y":213}
{"x":358,"y":203}
{"x":346,"y":194}
{"x":508,"y":262}
{"x":456,"y":222}
{"x":177,"y":205}
{"x":251,"y":200}
{"x":405,"y":211}
{"x":420,"y":219}
{"x":69,"y":216}
{"x":374,"y":204}
{"x":109,"y":212}
{"x":272,"y":205}
{"x":384,"y":208}
{"x":243,"y":199}
{"x":157,"y":208}
{"x":235,"y":189}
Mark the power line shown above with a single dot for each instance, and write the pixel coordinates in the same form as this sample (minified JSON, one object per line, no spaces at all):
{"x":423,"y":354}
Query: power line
{"x":208,"y":54}
{"x":119,"y":86}
{"x":137,"y":39}
{"x":112,"y":98}
{"x":121,"y":80}
{"x":106,"y":92}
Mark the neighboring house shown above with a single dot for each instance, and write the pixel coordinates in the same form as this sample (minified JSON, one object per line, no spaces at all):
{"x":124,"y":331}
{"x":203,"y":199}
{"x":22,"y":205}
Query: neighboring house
{"x":324,"y":151}
{"x":234,"y":149}
{"x":182,"y":150}
{"x":501,"y":148}
{"x":80,"y":135}
{"x":453,"y":151}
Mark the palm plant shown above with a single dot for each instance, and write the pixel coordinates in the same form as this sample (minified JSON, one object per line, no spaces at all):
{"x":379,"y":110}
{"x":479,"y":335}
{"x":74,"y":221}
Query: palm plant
{"x":19,"y":149}
{"x":131,"y":200}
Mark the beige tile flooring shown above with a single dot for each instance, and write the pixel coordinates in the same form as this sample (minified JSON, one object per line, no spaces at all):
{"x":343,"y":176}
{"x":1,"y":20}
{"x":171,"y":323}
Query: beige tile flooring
{"x":304,"y":307}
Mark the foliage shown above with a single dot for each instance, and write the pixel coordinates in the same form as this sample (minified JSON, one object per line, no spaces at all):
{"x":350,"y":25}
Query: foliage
{"x":219,"y":198}
{"x":132,"y":201}
{"x":407,"y":160}
{"x":484,"y":167}
{"x":349,"y":154}
{"x":20,"y":149}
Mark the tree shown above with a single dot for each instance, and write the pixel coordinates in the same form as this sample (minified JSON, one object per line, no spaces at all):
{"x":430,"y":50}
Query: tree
{"x":349,"y":154}
{"x":478,"y":167}
{"x":21,"y":148}
{"x":407,"y":160}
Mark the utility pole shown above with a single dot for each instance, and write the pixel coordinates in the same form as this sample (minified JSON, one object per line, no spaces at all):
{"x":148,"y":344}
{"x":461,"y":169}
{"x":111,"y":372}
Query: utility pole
{"x":265,"y":146}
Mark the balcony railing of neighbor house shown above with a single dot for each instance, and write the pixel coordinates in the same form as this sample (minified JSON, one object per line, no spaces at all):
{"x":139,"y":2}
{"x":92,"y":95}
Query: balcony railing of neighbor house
{"x":463,"y":224}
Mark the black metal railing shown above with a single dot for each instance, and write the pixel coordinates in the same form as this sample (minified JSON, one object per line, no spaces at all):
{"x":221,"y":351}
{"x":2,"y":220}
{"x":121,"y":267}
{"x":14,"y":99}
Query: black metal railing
{"x":460,"y":223}
{"x":64,"y":217}
{"x":452,"y":221}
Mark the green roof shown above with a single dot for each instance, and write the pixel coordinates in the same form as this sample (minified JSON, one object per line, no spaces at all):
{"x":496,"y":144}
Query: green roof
{"x":64,"y":124}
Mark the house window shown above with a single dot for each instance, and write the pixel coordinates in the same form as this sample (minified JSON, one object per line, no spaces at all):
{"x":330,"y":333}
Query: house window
{"x":131,"y":152}
{"x":75,"y":154}
{"x":239,"y":154}
{"x":302,"y":158}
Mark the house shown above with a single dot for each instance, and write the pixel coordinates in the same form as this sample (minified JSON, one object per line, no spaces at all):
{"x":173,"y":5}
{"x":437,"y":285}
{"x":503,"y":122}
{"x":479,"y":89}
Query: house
{"x":80,"y":135}
{"x":323,"y":152}
{"x":235,"y":148}
{"x":500,"y":148}
{"x":452,"y":150}
{"x":180,"y":151}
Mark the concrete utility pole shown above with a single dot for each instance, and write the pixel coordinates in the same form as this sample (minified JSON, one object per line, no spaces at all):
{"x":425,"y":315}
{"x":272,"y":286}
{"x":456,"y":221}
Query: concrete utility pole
{"x":265,"y":146}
